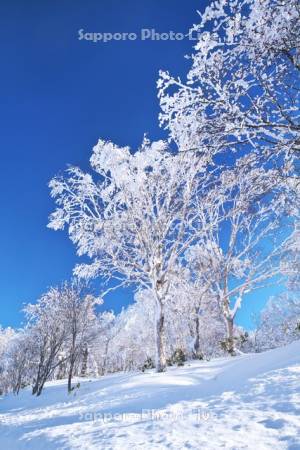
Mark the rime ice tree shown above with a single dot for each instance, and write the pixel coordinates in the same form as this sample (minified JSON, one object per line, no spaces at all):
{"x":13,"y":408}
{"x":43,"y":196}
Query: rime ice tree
{"x":244,"y":251}
{"x":135,"y":220}
{"x":290,"y":263}
{"x":48,"y":335}
{"x":7,"y":336}
{"x":106,"y":329}
{"x":241,"y":96}
{"x":60,"y":326}
{"x":243,"y":88}
{"x":77,"y":313}
{"x":279,"y":322}
{"x":194,"y":311}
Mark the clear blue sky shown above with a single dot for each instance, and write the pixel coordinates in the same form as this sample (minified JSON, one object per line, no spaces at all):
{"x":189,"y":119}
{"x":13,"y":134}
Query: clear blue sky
{"x":58,"y":96}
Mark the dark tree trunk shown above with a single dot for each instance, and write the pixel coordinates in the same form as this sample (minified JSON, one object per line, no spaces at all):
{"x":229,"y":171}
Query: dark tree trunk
{"x":35,"y":387}
{"x":70,"y":375}
{"x":40,"y":388}
{"x":84,"y":361}
{"x":196,"y":349}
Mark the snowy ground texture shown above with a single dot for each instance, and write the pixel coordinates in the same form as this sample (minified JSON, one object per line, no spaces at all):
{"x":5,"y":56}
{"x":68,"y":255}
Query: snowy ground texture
{"x":247,"y":402}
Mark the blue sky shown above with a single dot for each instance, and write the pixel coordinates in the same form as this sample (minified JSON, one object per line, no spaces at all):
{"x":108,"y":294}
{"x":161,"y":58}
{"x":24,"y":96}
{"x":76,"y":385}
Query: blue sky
{"x":58,"y":96}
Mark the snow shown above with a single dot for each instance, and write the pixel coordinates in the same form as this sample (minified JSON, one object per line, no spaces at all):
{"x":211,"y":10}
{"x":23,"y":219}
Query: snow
{"x":246,"y":402}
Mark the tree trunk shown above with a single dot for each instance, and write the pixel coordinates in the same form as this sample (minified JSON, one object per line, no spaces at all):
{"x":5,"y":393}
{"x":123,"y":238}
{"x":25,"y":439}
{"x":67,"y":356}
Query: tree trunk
{"x":61,"y":371}
{"x":38,"y":377}
{"x":103,"y":368}
{"x":70,"y":375}
{"x":40,"y":388}
{"x":84,"y":361}
{"x":40,"y":383}
{"x":18,"y":383}
{"x":35,"y":387}
{"x":197,"y":337}
{"x":230,"y":339}
{"x":159,"y":337}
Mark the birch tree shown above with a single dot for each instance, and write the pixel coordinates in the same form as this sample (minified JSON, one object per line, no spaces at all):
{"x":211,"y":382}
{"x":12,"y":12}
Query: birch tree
{"x":48,"y":335}
{"x":245,"y":250}
{"x":135,"y":220}
{"x":77,"y":313}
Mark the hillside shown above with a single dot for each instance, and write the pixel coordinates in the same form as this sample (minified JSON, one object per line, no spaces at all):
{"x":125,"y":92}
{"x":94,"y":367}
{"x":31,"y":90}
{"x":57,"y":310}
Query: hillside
{"x":247,"y":402}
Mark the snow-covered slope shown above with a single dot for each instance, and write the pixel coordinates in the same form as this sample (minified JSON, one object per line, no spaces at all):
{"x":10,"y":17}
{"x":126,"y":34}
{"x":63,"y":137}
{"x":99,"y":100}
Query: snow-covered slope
{"x":247,"y":402}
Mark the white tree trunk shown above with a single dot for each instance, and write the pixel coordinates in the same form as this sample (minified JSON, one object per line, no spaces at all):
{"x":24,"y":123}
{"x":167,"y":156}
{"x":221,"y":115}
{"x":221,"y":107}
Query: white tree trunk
{"x":229,"y":329}
{"x":159,"y":337}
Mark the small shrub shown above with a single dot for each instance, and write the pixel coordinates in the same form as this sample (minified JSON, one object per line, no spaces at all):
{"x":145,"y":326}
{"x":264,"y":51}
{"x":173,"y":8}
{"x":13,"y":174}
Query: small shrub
{"x":228,"y":346}
{"x":178,"y":357}
{"x":244,"y":338}
{"x":169,"y":362}
{"x":198,"y":355}
{"x":148,"y":364}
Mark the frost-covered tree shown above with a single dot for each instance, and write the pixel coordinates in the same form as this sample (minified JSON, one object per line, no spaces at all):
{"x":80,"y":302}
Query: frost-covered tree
{"x":241,"y":96}
{"x":135,"y":219}
{"x":60,"y":327}
{"x":18,"y":361}
{"x":48,"y":335}
{"x":194,"y":322}
{"x":290,"y":262}
{"x":7,"y":335}
{"x":243,"y":87}
{"x":77,"y":313}
{"x":134,"y":341}
{"x":243,"y":252}
{"x":96,"y":361}
{"x":279,"y":322}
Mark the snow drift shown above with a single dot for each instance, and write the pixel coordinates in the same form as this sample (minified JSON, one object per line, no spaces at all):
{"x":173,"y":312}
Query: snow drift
{"x":247,"y":402}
